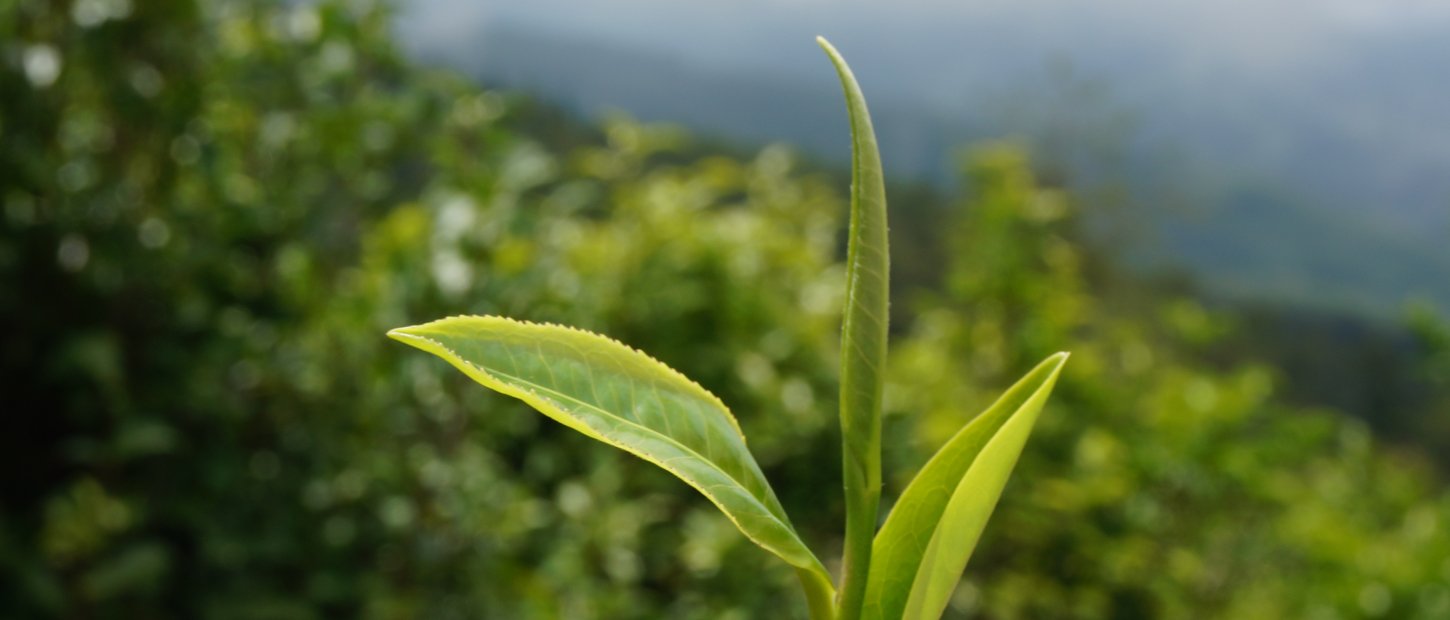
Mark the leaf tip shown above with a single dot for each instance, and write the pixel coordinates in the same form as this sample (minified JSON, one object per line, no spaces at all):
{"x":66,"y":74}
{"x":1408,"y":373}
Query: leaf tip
{"x":826,"y":45}
{"x":405,"y":334}
{"x":1056,"y":361}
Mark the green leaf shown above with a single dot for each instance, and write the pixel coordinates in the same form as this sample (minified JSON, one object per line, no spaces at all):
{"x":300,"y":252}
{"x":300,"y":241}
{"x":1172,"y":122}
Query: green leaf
{"x":863,"y":342}
{"x":625,"y":398}
{"x":913,"y":576}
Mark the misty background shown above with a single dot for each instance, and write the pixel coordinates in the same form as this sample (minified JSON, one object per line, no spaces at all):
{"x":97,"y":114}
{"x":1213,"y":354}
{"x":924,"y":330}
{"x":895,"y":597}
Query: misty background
{"x":212,"y":211}
{"x":1283,"y":152}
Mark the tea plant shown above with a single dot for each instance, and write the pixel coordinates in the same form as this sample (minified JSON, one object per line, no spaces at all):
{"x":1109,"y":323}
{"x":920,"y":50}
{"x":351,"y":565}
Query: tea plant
{"x":622,"y":397}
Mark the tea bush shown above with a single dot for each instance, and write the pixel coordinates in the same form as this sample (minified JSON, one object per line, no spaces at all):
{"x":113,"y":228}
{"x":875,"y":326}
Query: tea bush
{"x":212,"y":210}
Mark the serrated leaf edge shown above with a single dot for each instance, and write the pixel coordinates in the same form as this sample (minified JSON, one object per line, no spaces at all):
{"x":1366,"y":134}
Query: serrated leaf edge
{"x":707,"y":394}
{"x":541,"y":402}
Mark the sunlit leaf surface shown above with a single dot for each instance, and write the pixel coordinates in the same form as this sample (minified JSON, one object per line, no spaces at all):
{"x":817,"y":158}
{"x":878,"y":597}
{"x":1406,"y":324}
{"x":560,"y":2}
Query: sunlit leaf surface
{"x":624,"y":398}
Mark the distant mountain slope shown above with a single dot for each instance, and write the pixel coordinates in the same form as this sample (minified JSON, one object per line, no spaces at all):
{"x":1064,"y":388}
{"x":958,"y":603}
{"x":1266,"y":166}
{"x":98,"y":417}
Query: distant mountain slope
{"x":1260,"y":243}
{"x":1343,"y":101}
{"x":592,"y":77}
{"x":1243,"y":235}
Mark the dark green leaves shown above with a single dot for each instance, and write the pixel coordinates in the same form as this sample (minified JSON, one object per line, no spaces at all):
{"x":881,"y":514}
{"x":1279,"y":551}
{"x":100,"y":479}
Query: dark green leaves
{"x":923,"y":548}
{"x":863,"y":342}
{"x":624,"y":398}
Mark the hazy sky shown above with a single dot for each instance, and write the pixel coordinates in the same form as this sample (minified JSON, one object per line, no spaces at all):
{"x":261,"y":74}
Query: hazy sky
{"x":943,"y":51}
{"x":1262,"y":34}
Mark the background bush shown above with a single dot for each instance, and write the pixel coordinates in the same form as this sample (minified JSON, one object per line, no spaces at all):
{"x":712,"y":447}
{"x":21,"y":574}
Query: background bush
{"x":213,"y":211}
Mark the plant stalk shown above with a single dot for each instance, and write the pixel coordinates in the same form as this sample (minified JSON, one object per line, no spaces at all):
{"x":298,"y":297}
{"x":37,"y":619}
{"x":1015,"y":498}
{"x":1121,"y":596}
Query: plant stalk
{"x":820,"y":595}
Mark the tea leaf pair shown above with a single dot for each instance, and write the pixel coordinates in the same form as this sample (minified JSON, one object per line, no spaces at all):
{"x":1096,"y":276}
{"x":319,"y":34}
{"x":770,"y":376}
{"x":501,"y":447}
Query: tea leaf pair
{"x":624,"y":398}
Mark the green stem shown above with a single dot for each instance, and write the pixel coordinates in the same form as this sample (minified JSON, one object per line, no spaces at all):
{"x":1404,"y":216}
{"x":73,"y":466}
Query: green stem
{"x":863,"y":344}
{"x":820,"y":596}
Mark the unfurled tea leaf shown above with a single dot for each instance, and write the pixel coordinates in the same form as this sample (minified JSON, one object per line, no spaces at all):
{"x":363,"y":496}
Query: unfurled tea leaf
{"x":624,"y":398}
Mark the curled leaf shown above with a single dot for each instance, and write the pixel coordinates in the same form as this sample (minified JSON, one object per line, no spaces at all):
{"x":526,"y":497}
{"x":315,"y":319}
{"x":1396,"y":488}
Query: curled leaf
{"x":923,"y":548}
{"x":863,"y":341}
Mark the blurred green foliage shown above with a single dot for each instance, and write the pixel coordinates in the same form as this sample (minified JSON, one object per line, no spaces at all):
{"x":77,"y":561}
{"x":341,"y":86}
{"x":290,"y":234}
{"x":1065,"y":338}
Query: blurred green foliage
{"x":212,"y":211}
{"x":1157,"y":485}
